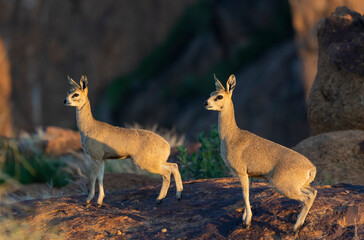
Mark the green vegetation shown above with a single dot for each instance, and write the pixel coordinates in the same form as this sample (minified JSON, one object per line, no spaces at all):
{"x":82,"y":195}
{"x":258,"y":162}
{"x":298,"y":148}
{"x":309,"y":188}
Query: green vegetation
{"x":207,"y":162}
{"x":32,"y":166}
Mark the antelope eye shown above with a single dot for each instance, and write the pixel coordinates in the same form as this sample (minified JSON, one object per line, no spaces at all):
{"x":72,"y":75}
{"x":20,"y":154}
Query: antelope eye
{"x":75,"y":95}
{"x":218,"y":97}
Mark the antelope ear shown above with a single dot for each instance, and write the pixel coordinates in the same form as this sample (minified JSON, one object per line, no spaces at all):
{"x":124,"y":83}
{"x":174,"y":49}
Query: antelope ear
{"x":83,"y":82}
{"x":72,"y":82}
{"x":218,"y":84}
{"x":230,"y":85}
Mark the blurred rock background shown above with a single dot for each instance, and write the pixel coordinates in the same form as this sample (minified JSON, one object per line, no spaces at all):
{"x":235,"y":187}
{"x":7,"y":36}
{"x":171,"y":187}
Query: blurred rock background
{"x":305,"y":16}
{"x":336,"y":102}
{"x":152,"y":62}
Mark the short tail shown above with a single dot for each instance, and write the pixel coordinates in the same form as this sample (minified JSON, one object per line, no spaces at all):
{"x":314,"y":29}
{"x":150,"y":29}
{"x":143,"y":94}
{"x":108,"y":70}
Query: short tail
{"x":311,"y":176}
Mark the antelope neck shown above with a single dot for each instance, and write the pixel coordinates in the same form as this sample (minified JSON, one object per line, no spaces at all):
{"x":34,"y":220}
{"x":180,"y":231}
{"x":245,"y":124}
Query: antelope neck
{"x":84,"y":117}
{"x":227,"y":124}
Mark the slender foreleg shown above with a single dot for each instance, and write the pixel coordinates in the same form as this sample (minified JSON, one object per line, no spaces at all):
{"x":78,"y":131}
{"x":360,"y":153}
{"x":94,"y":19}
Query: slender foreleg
{"x":247,"y":215}
{"x":94,"y":170}
{"x":100,"y":177}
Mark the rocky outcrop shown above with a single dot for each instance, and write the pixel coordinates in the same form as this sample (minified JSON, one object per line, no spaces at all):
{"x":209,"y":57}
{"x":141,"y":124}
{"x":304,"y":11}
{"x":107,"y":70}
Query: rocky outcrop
{"x":336,"y":101}
{"x":338,"y":156}
{"x":305,"y":17}
{"x":210,"y":209}
{"x":5,"y":91}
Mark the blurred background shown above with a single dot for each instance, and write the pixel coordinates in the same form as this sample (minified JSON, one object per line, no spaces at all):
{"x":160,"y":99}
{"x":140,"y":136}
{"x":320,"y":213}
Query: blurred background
{"x":152,"y":62}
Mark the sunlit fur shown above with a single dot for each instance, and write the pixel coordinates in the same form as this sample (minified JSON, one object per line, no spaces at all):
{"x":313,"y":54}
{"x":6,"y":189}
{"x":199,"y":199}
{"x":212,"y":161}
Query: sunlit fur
{"x":249,"y":155}
{"x":102,"y":141}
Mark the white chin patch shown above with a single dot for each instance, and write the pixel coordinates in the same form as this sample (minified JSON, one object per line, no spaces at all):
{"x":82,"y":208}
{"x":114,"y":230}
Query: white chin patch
{"x":71,"y":105}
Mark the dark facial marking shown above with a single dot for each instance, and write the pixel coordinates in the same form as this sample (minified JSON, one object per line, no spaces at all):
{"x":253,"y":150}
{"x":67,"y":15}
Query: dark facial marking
{"x":218,"y":98}
{"x":75,"y":95}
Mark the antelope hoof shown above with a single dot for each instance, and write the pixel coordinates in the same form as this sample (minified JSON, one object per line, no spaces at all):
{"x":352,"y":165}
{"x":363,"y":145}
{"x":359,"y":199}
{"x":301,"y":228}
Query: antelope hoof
{"x":297,"y":228}
{"x":246,"y":226}
{"x":99,"y":205}
{"x":88,"y":204}
{"x":179,"y":196}
{"x":159,"y":201}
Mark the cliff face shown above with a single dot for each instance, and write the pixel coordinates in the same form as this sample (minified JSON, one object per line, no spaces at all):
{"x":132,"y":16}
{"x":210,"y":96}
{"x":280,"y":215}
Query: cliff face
{"x":210,"y":209}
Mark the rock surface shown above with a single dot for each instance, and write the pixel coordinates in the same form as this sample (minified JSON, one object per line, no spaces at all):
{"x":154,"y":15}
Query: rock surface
{"x":210,"y":209}
{"x":112,"y":182}
{"x":305,"y":17}
{"x":336,"y":101}
{"x":338,"y":156}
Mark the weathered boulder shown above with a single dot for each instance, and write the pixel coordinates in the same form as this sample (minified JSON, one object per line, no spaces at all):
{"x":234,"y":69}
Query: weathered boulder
{"x":210,"y":209}
{"x":305,"y":16}
{"x":338,"y":156}
{"x":336,"y":101}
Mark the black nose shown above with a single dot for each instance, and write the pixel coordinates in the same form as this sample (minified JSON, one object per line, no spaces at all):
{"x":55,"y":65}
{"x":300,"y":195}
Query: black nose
{"x":205,"y":104}
{"x":65,"y":101}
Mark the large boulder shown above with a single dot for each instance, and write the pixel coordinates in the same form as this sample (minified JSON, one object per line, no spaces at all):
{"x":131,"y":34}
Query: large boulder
{"x":305,"y":17}
{"x":338,"y":156}
{"x":336,"y":101}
